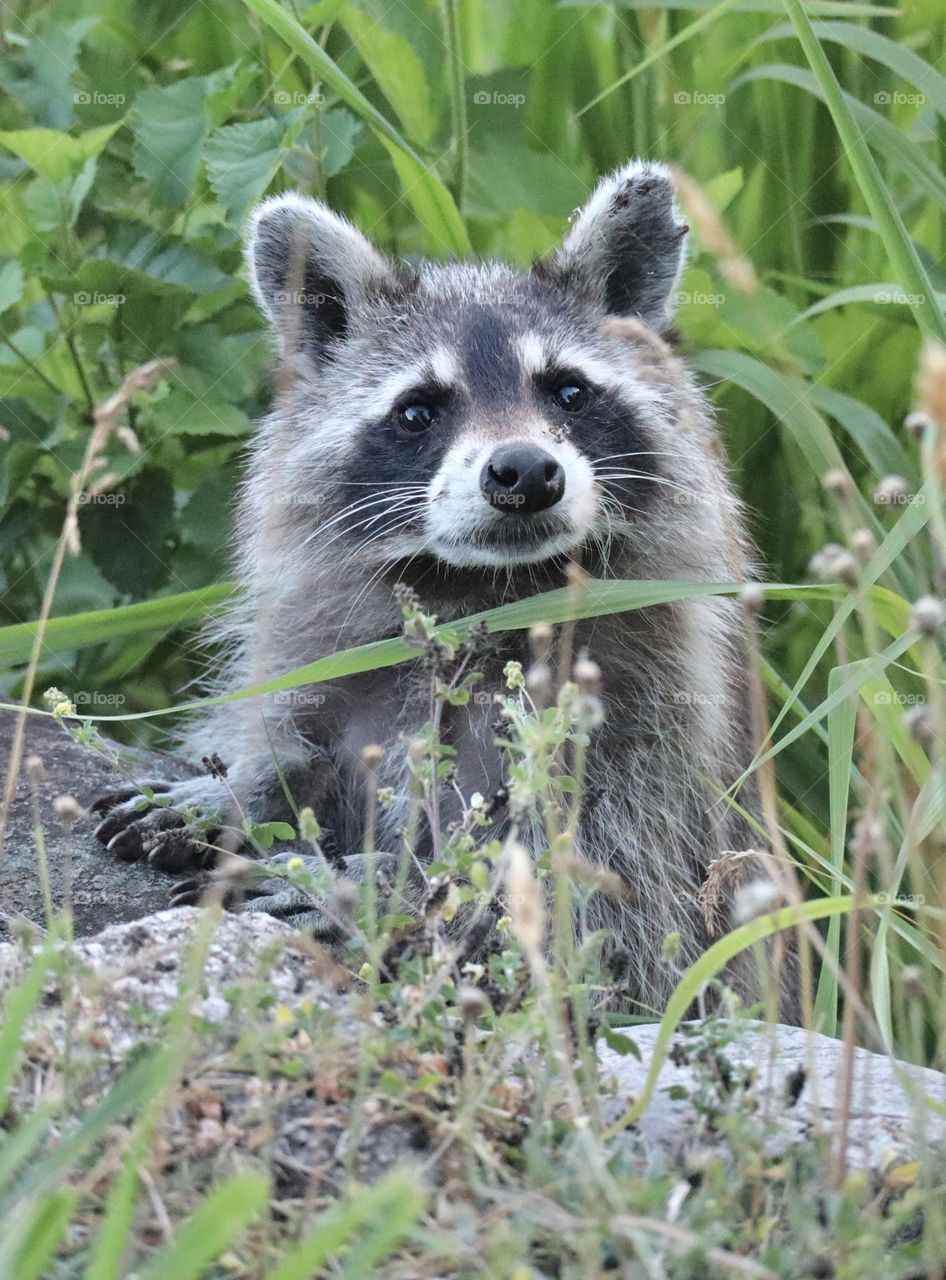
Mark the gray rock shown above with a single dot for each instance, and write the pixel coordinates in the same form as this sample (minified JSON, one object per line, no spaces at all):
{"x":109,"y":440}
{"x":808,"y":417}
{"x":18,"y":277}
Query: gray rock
{"x":793,"y":1080}
{"x":105,"y":891}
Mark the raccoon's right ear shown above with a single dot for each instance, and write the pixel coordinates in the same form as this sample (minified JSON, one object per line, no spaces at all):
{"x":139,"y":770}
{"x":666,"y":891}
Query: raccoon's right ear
{"x":312,"y":272}
{"x":625,"y":247}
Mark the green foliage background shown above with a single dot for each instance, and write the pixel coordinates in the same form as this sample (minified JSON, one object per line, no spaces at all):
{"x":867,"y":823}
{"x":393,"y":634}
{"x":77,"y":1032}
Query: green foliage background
{"x":135,"y":137}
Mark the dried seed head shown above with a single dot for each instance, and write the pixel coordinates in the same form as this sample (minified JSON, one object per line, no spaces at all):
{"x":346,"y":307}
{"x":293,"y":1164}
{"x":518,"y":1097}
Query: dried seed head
{"x":372,"y":755}
{"x":67,"y":809}
{"x":918,"y":424}
{"x":717,"y":241}
{"x":833,"y":563}
{"x":34,"y":770}
{"x":539,"y":681}
{"x":931,"y":381}
{"x":911,"y":980}
{"x":863,"y":544}
{"x":752,"y":597}
{"x":757,"y":898}
{"x":526,"y":905}
{"x":575,"y":576}
{"x":837,"y":482}
{"x":919,"y":725}
{"x":928,"y":615}
{"x":472,"y":1003}
{"x":587,"y":674}
{"x":892,"y":491}
{"x":540,"y":641}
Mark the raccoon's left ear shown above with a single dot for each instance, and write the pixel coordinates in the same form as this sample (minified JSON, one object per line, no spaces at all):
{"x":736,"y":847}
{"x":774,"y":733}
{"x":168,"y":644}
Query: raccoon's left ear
{"x":626,"y":246}
{"x":313,"y":273}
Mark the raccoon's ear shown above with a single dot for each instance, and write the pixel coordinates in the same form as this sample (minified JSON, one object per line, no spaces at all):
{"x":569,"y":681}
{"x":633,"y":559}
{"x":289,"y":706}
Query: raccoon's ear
{"x":312,"y":272}
{"x":626,"y":245}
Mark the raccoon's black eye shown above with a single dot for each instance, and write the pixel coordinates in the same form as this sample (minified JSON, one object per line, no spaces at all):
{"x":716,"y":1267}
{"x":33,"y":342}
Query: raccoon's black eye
{"x":571,"y":396}
{"x":416,"y":417}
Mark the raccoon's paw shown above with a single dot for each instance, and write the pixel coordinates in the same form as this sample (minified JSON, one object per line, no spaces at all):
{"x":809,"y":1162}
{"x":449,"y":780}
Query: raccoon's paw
{"x":327,"y":916}
{"x":170,"y":825}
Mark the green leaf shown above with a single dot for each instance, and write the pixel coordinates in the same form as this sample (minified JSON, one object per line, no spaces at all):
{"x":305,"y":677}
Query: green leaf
{"x":340,"y":134}
{"x":888,"y":296}
{"x":42,"y":75}
{"x":266,"y":833}
{"x":873,"y":437}
{"x":33,"y":1235}
{"x":170,"y":124}
{"x":243,"y":159}
{"x":423,"y":190}
{"x":384,"y":1213}
{"x":11,"y":285}
{"x":221,"y":1217}
{"x":20,"y":1002}
{"x":619,"y":1044}
{"x":137,"y":1083}
{"x":397,"y":71}
{"x":841,"y":723}
{"x":903,"y":255}
{"x":126,"y":530}
{"x":902,"y":61}
{"x":509,"y":174}
{"x":164,"y":613}
{"x":893,"y":144}
{"x":194,"y":406}
{"x":598,"y":599}
{"x":56,"y":155}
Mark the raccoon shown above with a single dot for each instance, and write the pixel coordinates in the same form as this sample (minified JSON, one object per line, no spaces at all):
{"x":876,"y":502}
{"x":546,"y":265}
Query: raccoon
{"x":469,"y":431}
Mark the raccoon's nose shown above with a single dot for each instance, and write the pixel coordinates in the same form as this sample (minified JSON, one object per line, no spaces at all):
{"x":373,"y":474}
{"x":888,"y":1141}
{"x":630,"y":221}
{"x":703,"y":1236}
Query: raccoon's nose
{"x":522,"y":478}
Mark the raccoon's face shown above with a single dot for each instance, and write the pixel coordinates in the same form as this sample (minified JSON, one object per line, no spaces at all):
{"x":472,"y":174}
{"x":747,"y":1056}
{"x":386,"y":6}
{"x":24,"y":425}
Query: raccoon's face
{"x":466,"y":411}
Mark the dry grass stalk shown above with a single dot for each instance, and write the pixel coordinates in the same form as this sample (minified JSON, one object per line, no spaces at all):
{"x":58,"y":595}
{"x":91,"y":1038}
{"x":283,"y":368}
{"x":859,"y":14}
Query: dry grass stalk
{"x":105,"y":422}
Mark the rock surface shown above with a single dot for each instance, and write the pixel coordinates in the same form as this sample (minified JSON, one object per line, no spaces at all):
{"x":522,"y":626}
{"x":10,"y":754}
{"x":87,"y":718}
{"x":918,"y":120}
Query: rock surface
{"x":795,"y":1083}
{"x":260,"y":982}
{"x":134,"y":961}
{"x":105,"y":891}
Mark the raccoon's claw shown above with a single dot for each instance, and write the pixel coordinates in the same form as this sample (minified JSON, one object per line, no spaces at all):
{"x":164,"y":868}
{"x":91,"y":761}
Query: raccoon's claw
{"x":136,"y":829}
{"x":277,"y":896}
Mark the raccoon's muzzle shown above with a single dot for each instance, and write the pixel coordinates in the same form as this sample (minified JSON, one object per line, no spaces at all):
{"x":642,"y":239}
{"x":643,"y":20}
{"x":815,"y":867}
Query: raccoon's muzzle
{"x":522,"y":479}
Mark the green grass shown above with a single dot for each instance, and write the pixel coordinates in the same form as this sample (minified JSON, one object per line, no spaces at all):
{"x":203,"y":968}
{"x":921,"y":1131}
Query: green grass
{"x":132,"y":143}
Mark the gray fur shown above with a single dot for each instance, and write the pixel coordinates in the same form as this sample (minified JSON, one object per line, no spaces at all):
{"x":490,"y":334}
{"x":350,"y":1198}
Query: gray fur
{"x":673,"y":680}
